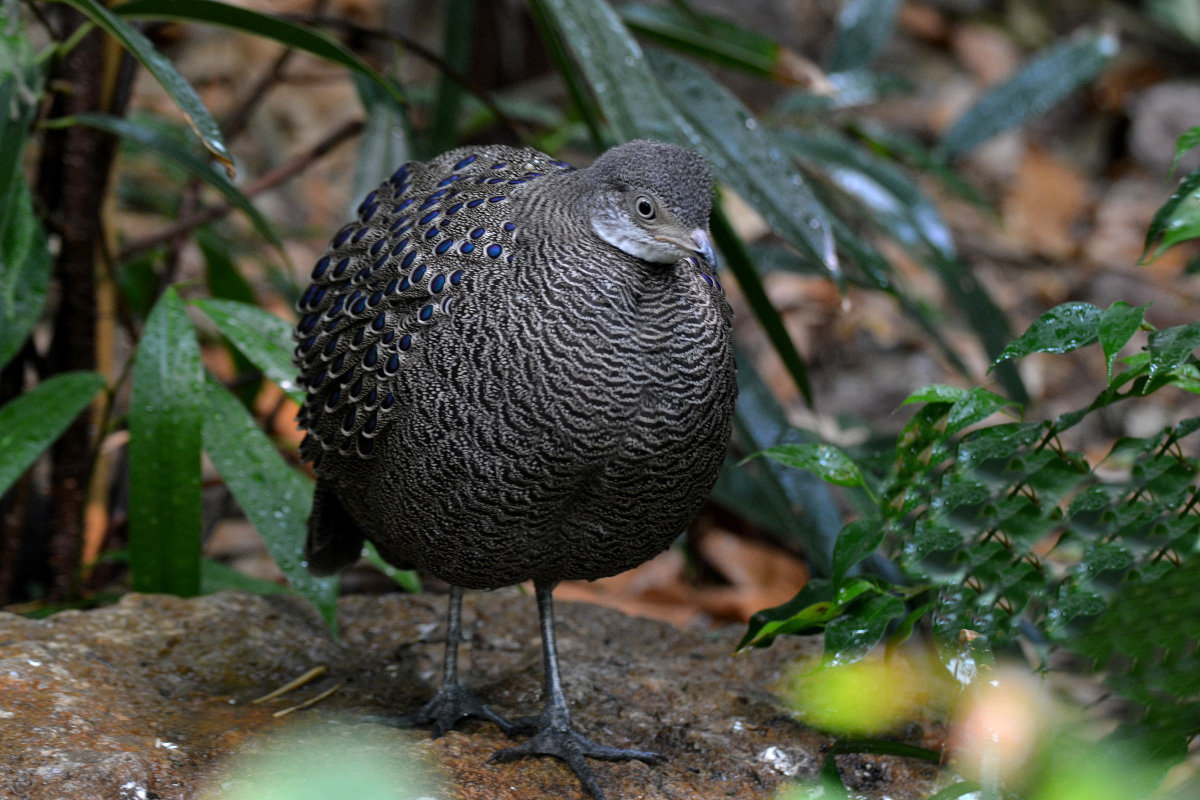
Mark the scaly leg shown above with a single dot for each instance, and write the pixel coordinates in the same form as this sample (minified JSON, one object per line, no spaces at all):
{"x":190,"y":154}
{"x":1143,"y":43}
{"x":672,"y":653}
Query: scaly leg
{"x":555,"y":735}
{"x":452,"y":702}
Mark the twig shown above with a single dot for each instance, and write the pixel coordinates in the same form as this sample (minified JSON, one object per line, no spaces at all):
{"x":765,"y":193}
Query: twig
{"x":307,"y":677}
{"x":312,"y":701}
{"x":420,"y":51}
{"x":270,"y":180}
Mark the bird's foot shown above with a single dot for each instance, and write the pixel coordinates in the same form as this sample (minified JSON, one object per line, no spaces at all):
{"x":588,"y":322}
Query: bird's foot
{"x":556,"y":737}
{"x":450,"y":704}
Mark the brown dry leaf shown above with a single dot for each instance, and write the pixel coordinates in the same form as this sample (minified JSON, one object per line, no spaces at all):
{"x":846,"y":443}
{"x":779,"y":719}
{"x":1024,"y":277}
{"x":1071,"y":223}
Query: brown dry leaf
{"x":1046,"y":198}
{"x":760,"y":576}
{"x":923,"y":22}
{"x":987,"y":52}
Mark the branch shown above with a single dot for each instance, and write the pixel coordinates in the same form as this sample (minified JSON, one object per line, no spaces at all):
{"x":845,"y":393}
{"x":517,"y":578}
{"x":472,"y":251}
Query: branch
{"x":270,"y":180}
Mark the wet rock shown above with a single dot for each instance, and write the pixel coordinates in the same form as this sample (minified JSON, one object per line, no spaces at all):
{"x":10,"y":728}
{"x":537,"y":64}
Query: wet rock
{"x":151,"y":698}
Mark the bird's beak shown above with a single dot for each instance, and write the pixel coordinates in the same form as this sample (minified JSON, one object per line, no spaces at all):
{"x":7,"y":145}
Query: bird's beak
{"x":702,"y":246}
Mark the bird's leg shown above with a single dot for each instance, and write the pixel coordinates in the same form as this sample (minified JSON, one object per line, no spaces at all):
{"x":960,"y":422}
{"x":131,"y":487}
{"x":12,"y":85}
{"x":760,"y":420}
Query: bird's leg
{"x":452,"y":702}
{"x":555,"y":735}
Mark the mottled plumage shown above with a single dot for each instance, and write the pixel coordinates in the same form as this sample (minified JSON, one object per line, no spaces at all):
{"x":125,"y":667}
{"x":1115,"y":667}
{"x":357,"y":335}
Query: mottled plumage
{"x":516,"y":370}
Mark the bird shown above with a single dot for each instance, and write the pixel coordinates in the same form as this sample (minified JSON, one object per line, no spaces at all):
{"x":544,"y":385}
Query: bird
{"x":516,"y":370}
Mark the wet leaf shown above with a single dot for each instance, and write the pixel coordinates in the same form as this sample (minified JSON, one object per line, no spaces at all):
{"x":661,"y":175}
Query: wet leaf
{"x":1062,"y":329}
{"x":275,"y":497}
{"x":997,"y":441}
{"x":850,"y":637}
{"x":1171,"y":347}
{"x":180,"y":91}
{"x":1187,"y":140}
{"x":217,"y":577}
{"x":408,"y":579}
{"x":30,"y":423}
{"x":1119,"y":323}
{"x":856,"y":541}
{"x":863,"y":28}
{"x":165,"y":417}
{"x":891,"y":199}
{"x":800,"y":499}
{"x":737,"y":260}
{"x":262,"y":337}
{"x":807,"y":612}
{"x":1048,"y":78}
{"x":935,"y":393}
{"x":25,"y":261}
{"x":713,"y":39}
{"x":975,"y":405}
{"x":1178,"y":220}
{"x":829,"y":462}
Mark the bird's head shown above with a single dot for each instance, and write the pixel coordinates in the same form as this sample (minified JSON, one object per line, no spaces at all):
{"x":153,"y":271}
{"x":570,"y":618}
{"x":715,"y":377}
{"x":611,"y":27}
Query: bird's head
{"x":652,"y":200}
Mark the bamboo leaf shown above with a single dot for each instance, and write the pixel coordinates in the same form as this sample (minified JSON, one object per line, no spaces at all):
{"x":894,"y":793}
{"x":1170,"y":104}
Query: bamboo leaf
{"x":30,"y":423}
{"x":180,"y":91}
{"x":164,"y":453}
{"x":1064,"y":328}
{"x":1050,"y":77}
{"x":863,"y":28}
{"x":25,"y":261}
{"x":262,"y":337}
{"x":181,"y":157}
{"x":275,"y":497}
{"x":257,"y":24}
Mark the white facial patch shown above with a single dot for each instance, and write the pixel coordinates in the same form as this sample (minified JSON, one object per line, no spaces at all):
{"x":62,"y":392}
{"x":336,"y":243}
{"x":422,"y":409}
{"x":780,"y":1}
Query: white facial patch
{"x":624,"y":235}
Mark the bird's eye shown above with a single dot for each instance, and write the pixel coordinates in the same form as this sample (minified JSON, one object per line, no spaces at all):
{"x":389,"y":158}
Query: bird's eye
{"x":645,"y":207}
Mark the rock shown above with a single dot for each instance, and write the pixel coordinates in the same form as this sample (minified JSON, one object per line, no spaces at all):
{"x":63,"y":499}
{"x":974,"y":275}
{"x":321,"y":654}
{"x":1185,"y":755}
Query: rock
{"x":151,"y":698}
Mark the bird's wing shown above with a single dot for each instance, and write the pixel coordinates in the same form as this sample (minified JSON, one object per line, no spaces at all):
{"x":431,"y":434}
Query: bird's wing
{"x":389,"y":275}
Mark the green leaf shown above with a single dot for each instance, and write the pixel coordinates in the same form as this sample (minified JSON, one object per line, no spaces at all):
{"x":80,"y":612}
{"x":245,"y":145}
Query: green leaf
{"x":828,"y":462}
{"x":807,"y":612}
{"x":262,"y":337}
{"x":1119,"y":323}
{"x":1062,"y":329}
{"x":165,"y":416}
{"x":180,"y":156}
{"x":1048,"y":78}
{"x":891,"y":199}
{"x":30,"y":423}
{"x":800,"y":500}
{"x":856,"y":541}
{"x":217,"y":577}
{"x":224,"y":279}
{"x":863,"y":27}
{"x":1187,"y":140}
{"x":1178,"y":220}
{"x":275,"y":497}
{"x":935,"y":393}
{"x":25,"y":261}
{"x":408,"y":579}
{"x":737,"y":259}
{"x":974,"y":406}
{"x":850,"y":637}
{"x":717,"y":40}
{"x":997,"y":441}
{"x":1171,"y":347}
{"x":180,"y":91}
{"x":264,"y":26}
{"x":25,"y":265}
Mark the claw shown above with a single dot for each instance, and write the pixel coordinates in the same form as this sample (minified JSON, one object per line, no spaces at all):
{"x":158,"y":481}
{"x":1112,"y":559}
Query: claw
{"x":555,"y":737}
{"x":450,"y":704}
